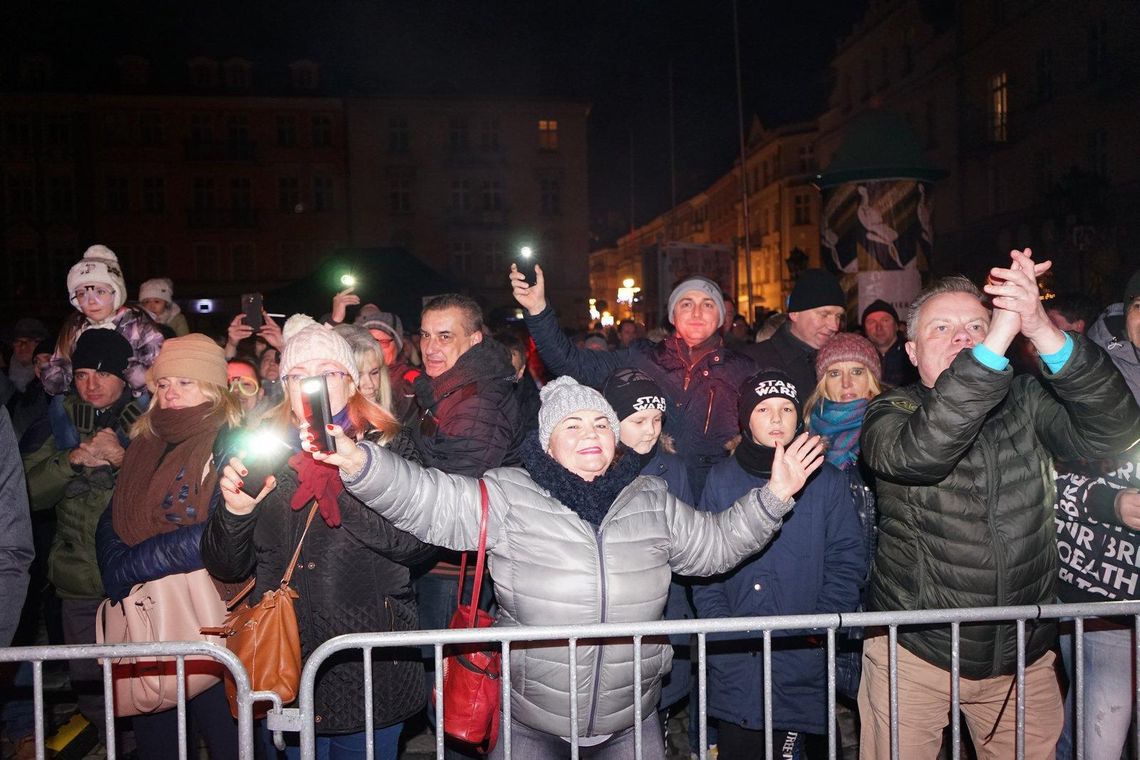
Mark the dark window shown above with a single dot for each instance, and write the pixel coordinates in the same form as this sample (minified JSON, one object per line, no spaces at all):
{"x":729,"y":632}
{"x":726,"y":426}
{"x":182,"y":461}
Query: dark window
{"x":154,"y":195}
{"x":492,"y":195}
{"x":1044,"y":75}
{"x":117,"y":199}
{"x":151,"y":129}
{"x":1098,"y":152}
{"x":286,"y":131}
{"x":203,"y":194}
{"x":801,"y":209}
{"x":21,"y":195}
{"x":460,"y":195}
{"x":156,"y":260}
{"x":237,"y":128}
{"x":1097,"y":49}
{"x":400,"y":196}
{"x":241,"y":194}
{"x":322,"y":132}
{"x":18,"y":130}
{"x":201,"y":128}
{"x":322,"y":194}
{"x":457,"y":134}
{"x":551,"y":196}
{"x":398,"y":135}
{"x":462,"y":258}
{"x":61,"y":198}
{"x":489,"y":134}
{"x":57,"y":130}
{"x":208,"y":262}
{"x":289,"y":194}
{"x":244,"y":256}
{"x":999,"y":108}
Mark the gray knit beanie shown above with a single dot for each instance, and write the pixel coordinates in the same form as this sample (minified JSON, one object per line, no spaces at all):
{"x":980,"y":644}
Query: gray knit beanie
{"x":704,"y":285}
{"x":563,"y":396}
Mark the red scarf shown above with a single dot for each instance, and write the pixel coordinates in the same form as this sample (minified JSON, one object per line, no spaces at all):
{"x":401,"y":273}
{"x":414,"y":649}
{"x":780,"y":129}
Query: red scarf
{"x":320,"y":481}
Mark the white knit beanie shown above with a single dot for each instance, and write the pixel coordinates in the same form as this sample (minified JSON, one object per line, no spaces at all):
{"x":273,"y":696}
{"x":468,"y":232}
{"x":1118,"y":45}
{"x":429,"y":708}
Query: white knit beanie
{"x":159,"y":287}
{"x":306,"y":340}
{"x":563,"y":396}
{"x":99,"y":266}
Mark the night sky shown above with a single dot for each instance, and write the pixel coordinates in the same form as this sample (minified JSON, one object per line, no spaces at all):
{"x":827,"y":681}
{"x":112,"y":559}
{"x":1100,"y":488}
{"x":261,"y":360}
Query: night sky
{"x":614,"y":54}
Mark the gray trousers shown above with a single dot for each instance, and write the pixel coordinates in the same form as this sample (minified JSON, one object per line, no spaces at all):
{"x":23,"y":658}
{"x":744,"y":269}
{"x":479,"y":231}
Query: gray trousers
{"x":528,"y":743}
{"x":86,"y":675}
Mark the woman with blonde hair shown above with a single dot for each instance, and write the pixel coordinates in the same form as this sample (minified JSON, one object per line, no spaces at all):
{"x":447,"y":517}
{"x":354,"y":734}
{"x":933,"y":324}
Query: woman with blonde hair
{"x":366,"y":350}
{"x":163,"y":495}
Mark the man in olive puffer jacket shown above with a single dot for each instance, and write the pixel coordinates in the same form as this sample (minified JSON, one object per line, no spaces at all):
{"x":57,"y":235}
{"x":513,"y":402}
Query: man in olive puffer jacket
{"x":965,"y":496}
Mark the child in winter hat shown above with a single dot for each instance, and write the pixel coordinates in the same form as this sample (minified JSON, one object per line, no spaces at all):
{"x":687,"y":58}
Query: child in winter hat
{"x":157,"y":297}
{"x":96,"y":288}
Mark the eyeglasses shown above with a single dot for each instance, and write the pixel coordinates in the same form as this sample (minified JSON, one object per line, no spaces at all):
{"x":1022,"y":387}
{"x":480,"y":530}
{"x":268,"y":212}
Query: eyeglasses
{"x":93,"y":291}
{"x":295,"y":380}
{"x":246,"y":386}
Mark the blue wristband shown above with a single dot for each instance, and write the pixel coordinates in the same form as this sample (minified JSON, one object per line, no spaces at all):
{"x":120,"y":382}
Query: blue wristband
{"x":1056,"y":361}
{"x":989,"y":359}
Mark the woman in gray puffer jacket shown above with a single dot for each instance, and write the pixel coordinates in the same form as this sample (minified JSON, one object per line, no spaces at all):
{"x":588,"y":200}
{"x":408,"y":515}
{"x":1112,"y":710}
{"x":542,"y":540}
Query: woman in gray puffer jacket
{"x":577,"y":538}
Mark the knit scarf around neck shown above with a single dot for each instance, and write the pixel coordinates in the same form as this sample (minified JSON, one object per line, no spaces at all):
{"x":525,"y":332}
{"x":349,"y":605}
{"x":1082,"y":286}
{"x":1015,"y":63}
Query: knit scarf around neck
{"x":841,"y":423}
{"x":168,"y":477}
{"x":755,"y":458}
{"x":590,"y":500}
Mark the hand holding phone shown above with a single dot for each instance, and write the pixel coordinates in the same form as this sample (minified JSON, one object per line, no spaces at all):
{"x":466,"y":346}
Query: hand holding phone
{"x":263,"y":453}
{"x":251,"y":307}
{"x":318,"y":413}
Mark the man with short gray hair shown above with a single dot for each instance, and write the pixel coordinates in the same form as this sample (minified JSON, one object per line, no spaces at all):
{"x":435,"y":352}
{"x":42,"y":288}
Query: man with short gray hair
{"x":963,"y":460}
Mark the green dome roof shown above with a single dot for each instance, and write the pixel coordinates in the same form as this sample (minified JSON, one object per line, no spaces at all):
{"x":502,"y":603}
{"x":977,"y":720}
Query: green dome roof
{"x":878,"y":145}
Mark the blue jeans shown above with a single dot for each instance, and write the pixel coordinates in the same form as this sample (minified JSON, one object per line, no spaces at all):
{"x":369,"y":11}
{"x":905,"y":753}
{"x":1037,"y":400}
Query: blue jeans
{"x":1107,"y":686}
{"x":344,"y":746}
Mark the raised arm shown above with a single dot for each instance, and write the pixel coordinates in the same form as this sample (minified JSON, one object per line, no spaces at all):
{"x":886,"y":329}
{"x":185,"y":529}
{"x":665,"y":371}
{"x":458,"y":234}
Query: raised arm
{"x":919,"y":441}
{"x":557,"y":352}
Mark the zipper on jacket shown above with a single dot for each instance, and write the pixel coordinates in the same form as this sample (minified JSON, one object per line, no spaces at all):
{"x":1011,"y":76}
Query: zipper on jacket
{"x":999,"y":554}
{"x":595,"y":693}
{"x":708,"y":414}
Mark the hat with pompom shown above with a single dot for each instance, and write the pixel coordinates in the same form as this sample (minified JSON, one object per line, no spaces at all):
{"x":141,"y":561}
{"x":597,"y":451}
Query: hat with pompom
{"x":307,"y":340}
{"x":99,"y":266}
{"x":563,"y":396}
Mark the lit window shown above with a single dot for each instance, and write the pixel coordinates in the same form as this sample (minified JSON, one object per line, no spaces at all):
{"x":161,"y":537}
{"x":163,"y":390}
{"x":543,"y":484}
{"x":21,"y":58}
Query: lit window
{"x":548,"y":134}
{"x":999,"y":107}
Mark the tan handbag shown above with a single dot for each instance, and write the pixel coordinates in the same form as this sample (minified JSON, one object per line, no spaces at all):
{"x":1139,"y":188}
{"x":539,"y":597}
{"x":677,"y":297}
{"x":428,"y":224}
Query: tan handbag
{"x":266,"y":639}
{"x":172,"y":608}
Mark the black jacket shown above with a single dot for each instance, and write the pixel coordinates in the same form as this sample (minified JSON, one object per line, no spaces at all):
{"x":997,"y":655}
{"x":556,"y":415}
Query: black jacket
{"x":965,"y":493}
{"x":789,"y":354}
{"x":471,"y":421}
{"x":897,"y":367}
{"x":349,"y":579}
{"x":702,"y":396}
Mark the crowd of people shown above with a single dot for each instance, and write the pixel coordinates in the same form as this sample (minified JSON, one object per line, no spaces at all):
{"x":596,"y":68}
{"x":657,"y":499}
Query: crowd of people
{"x":980,"y":454}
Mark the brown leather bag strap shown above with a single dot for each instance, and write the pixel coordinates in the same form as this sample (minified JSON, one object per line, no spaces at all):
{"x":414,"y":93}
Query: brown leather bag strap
{"x":297,"y":552}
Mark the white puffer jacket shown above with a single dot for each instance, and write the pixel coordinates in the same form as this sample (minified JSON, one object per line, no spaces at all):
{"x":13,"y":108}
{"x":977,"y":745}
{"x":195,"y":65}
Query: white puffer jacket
{"x":552,"y":568}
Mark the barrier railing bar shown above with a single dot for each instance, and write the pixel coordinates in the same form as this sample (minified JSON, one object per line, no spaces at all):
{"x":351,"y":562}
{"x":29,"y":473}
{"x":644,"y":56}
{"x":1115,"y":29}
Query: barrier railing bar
{"x":573,"y":662}
{"x":893,"y":675}
{"x":637,"y":717}
{"x":38,"y":705}
{"x":180,"y":674}
{"x":1136,"y":685}
{"x":109,"y":706}
{"x":369,"y":722}
{"x":1019,"y":737}
{"x":768,"y":695}
{"x":831,"y":694}
{"x":1078,"y":685}
{"x":438,"y":701}
{"x":702,"y":699}
{"x":505,"y":731}
{"x":955,"y":690}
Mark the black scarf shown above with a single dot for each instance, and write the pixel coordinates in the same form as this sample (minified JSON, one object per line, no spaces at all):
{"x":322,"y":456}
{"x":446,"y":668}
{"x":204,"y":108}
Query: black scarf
{"x":755,"y":458}
{"x":643,"y":460}
{"x":592,"y":500}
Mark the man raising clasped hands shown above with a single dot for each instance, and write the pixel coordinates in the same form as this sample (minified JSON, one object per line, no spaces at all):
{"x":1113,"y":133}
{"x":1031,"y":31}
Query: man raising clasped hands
{"x":963,"y":459}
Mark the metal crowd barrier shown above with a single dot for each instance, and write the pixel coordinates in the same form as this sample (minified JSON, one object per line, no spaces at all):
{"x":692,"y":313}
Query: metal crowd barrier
{"x":38,"y":655}
{"x":301,"y":718}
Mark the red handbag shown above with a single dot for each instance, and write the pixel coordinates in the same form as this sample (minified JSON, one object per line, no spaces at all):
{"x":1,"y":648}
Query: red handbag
{"x":471,"y":674}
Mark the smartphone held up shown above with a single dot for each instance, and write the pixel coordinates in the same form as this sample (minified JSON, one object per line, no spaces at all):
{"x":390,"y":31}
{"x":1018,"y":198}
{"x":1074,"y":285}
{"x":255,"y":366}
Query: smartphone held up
{"x":262,"y":453}
{"x":318,"y":413}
